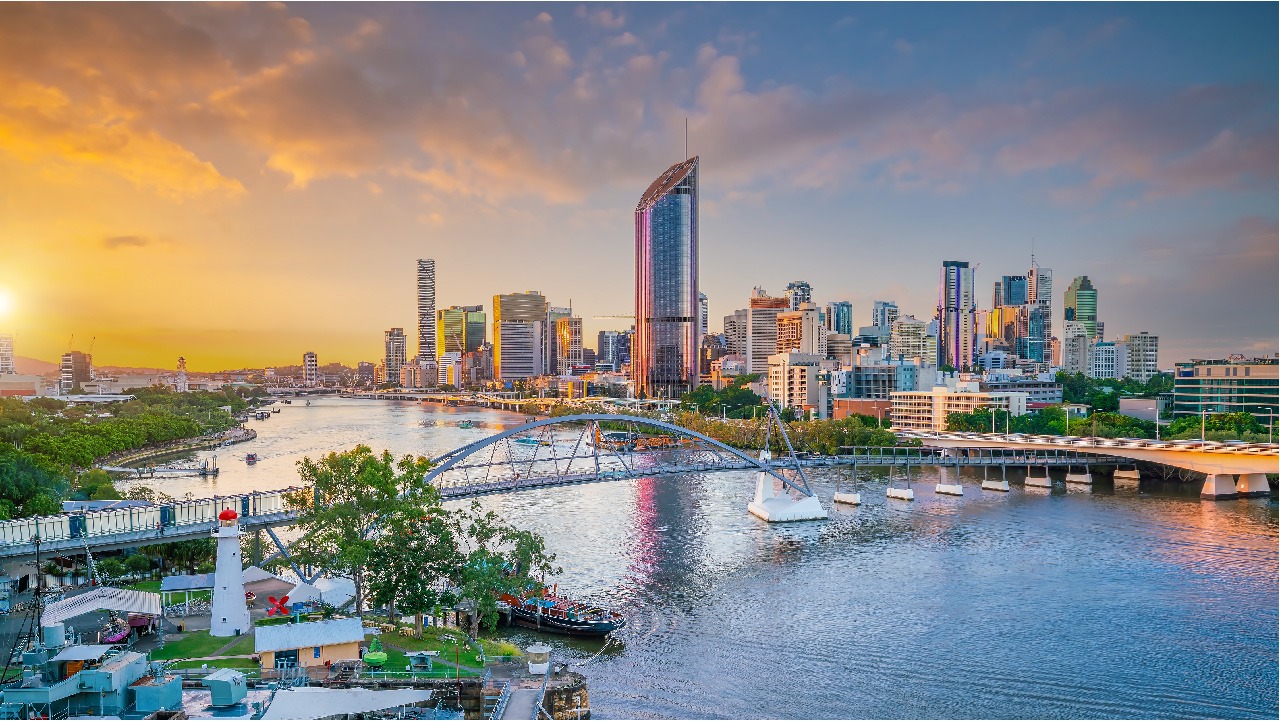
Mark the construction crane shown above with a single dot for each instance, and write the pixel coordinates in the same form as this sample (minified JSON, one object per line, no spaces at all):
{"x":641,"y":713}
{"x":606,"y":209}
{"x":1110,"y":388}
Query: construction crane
{"x":602,"y":317}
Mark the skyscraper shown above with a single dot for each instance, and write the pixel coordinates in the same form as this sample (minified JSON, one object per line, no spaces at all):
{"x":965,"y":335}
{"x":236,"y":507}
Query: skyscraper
{"x":1080,"y":304}
{"x":310,"y":369}
{"x":883,"y":314}
{"x":77,"y":368}
{"x":550,"y":346}
{"x":1040,"y":326}
{"x":798,"y":291}
{"x":426,"y":310}
{"x":702,"y":308}
{"x":955,"y":314}
{"x":840,"y":317}
{"x":664,"y":354}
{"x":460,"y":329}
{"x":527,"y":307}
{"x":762,"y":329}
{"x":395,"y":352}
{"x":568,"y":344}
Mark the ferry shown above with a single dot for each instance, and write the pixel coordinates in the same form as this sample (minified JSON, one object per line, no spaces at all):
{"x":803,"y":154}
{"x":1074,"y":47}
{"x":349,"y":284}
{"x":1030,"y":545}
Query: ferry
{"x":557,"y":614}
{"x":466,"y":424}
{"x":527,"y":441}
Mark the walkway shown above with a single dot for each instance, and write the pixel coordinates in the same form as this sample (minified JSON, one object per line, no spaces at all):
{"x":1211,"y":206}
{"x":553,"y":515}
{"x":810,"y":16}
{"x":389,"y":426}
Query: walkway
{"x":522,"y":704}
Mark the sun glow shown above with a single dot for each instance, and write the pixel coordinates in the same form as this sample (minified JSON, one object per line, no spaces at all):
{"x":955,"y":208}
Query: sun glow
{"x":6,"y":302}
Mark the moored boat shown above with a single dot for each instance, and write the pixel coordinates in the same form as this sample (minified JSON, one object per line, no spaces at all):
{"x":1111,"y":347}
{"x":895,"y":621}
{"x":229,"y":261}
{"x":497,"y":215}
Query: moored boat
{"x":558,"y":614}
{"x":251,"y":458}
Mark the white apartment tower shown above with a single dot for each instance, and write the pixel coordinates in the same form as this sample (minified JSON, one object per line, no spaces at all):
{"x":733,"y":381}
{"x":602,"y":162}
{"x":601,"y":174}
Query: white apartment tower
{"x":310,"y":369}
{"x":427,"y":309}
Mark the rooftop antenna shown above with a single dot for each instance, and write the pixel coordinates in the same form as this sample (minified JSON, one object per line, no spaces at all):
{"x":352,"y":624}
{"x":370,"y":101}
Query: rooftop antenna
{"x":686,"y":138}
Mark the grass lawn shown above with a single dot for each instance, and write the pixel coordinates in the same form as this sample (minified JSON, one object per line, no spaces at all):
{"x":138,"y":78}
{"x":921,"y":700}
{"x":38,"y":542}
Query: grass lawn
{"x":154,"y":587}
{"x":195,"y":644}
{"x":240,"y":663}
{"x":243,"y":647}
{"x":397,"y":662}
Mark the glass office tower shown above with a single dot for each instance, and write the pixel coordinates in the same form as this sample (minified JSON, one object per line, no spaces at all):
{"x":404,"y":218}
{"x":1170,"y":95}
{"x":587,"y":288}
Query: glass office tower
{"x":664,"y":352}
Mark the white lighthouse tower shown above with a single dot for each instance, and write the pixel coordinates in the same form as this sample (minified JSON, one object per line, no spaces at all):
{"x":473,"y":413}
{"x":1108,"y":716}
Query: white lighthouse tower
{"x":230,"y":613}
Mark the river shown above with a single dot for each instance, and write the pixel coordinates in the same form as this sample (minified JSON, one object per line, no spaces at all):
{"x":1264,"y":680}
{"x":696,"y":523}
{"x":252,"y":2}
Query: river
{"x":1111,"y":603}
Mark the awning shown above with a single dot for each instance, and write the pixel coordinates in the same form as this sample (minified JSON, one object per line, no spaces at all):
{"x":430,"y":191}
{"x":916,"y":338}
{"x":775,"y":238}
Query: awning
{"x":320,"y":703}
{"x":101,"y":599}
{"x":198,"y":582}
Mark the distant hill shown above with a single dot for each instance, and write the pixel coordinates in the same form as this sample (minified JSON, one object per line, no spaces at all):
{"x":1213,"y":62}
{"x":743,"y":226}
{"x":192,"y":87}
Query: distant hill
{"x":33,"y":366}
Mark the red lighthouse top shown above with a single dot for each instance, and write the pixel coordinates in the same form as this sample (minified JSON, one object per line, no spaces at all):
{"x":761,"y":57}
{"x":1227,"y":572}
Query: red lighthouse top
{"x":227,"y":515}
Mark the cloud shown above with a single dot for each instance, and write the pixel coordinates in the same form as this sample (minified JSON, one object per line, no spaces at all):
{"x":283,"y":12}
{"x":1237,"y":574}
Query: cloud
{"x":606,"y":19}
{"x":127,"y":241}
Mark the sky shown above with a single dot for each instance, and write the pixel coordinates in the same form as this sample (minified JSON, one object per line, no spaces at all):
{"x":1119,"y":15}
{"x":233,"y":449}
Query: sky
{"x":240,"y":183}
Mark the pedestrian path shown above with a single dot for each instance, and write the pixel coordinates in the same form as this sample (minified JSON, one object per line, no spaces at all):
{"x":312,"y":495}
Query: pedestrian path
{"x":521,"y":704}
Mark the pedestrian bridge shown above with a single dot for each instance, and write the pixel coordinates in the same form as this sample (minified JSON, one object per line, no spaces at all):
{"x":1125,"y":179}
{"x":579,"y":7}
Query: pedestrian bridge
{"x":560,"y":452}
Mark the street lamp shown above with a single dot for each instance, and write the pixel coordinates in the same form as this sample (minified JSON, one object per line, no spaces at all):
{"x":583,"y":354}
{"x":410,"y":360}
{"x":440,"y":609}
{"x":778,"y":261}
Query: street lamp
{"x":1271,"y":419}
{"x":1202,"y":412}
{"x":724,"y":408}
{"x":1157,"y":410}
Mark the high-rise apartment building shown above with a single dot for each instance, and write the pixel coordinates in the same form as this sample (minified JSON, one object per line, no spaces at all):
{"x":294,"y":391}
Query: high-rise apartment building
{"x":613,"y":347}
{"x":802,"y":331}
{"x":1109,"y":360}
{"x":310,"y":369}
{"x":364,"y":372}
{"x":528,"y":307}
{"x":735,"y":333}
{"x":460,"y":329}
{"x":798,"y":291}
{"x":77,"y":368}
{"x":1010,"y":290}
{"x":1077,"y":348}
{"x":426,"y":308}
{"x":664,"y":353}
{"x":839,"y":317}
{"x":883,"y":313}
{"x":794,"y":382}
{"x":395,"y":352}
{"x":955,"y":315}
{"x":1142,"y":355}
{"x":568,"y":344}
{"x":6,"y":354}
{"x":762,"y":330}
{"x":910,"y":338}
{"x":1080,"y":305}
{"x":703,"y":310}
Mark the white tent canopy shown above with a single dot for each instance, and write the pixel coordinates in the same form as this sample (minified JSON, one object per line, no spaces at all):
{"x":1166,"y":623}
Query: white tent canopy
{"x":101,"y":599}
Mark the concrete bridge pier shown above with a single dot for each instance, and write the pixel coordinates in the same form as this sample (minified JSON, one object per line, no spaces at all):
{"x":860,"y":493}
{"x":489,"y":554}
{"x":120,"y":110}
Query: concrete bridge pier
{"x":992,"y":485}
{"x":1220,"y":487}
{"x":1252,"y":484}
{"x":1085,"y":478}
{"x":1038,"y":481}
{"x":948,"y":489}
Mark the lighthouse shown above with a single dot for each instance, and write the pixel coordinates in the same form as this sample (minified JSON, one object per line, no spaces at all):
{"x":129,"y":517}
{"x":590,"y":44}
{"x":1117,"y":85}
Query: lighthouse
{"x":230,"y":614}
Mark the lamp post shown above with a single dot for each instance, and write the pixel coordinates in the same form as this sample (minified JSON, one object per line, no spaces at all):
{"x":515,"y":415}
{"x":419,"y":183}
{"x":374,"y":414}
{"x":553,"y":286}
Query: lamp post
{"x":1271,"y":419}
{"x":724,"y":410}
{"x":1157,"y":410}
{"x":1202,"y":412}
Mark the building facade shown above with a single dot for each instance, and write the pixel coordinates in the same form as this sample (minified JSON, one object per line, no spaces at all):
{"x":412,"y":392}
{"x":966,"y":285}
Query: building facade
{"x":521,"y":355}
{"x":664,"y":353}
{"x":310,"y":369}
{"x":1080,"y":305}
{"x":1040,"y":315}
{"x":839,"y":318}
{"x":1077,"y":348}
{"x":798,"y":291}
{"x":735,"y":333}
{"x":460,"y":329}
{"x":703,"y":314}
{"x":1142,"y":355}
{"x":928,"y":410}
{"x":1233,"y":385}
{"x":795,"y":382}
{"x":883,"y":313}
{"x":77,"y":368}
{"x":1109,"y":360}
{"x":427,"y":308}
{"x":955,"y":315}
{"x":6,"y":355}
{"x":802,"y":331}
{"x":762,"y":331}
{"x":568,"y":344}
{"x":394,"y":353}
{"x":910,"y":339}
{"x":529,"y":307}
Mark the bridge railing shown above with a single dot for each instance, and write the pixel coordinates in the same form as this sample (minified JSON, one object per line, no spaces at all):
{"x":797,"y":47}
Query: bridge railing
{"x":156,"y":518}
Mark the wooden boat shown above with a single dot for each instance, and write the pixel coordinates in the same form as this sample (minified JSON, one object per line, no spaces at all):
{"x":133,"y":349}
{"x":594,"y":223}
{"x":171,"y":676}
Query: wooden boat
{"x":558,"y":614}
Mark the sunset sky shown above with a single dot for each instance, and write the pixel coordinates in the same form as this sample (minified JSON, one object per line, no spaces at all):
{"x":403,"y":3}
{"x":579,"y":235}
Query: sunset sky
{"x":238,"y":184}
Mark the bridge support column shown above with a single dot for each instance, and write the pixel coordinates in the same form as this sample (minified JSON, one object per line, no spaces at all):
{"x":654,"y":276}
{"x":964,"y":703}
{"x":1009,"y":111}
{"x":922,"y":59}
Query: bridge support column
{"x":1035,"y":481}
{"x":1252,"y":484}
{"x":776,"y":508}
{"x":1085,"y":478}
{"x":1127,"y":475}
{"x":1218,"y":486}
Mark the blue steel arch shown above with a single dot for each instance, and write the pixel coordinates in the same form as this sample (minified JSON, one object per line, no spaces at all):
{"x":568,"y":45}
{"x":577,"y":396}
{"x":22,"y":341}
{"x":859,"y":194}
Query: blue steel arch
{"x":448,"y":460}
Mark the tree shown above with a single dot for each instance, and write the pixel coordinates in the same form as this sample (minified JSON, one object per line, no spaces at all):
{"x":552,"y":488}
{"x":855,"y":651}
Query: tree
{"x":350,"y":495}
{"x":501,"y":559}
{"x":137,"y":564}
{"x":412,"y":555}
{"x":111,"y":568}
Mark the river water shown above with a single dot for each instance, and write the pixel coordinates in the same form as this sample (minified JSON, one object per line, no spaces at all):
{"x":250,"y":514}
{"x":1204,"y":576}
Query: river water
{"x":1112,"y":603}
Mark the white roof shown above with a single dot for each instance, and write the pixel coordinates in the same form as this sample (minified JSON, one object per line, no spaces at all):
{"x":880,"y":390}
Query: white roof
{"x":102,"y":599}
{"x":304,"y":593}
{"x":317,"y":703}
{"x":81,"y":653}
{"x":305,"y":635}
{"x":254,"y":573}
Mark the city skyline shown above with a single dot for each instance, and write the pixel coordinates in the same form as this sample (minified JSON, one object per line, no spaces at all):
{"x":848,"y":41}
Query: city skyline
{"x":239,"y":231}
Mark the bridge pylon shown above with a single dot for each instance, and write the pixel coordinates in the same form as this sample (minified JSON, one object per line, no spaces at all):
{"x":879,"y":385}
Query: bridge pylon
{"x":772,"y":507}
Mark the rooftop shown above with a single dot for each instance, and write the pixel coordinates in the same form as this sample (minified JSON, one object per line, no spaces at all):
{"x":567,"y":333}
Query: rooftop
{"x":665,"y":182}
{"x":306,"y":635}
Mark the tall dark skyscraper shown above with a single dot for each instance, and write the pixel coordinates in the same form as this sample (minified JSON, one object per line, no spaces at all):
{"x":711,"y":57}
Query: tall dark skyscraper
{"x":664,"y":352}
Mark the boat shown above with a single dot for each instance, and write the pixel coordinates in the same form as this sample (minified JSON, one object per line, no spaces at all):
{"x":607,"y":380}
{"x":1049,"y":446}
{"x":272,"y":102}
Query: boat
{"x":466,"y":424}
{"x":527,"y":441}
{"x":288,"y":402}
{"x":558,"y":614}
{"x":251,"y":458}
{"x":275,"y":410}
{"x":308,"y":402}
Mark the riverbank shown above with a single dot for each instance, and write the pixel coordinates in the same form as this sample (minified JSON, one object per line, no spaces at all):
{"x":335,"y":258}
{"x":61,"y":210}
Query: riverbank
{"x":239,"y":434}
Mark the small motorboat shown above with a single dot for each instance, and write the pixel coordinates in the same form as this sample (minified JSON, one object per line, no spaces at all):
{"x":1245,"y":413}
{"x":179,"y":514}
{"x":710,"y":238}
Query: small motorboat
{"x":466,"y":424}
{"x":251,"y":458}
{"x":275,"y":410}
